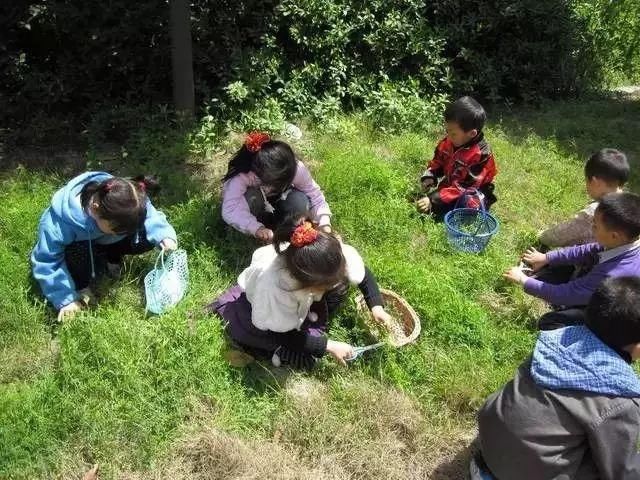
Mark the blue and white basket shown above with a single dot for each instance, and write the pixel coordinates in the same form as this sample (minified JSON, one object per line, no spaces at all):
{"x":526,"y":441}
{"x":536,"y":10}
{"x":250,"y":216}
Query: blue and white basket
{"x":166,"y":285}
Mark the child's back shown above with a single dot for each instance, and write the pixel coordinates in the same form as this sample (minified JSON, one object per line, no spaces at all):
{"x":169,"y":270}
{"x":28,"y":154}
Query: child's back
{"x":606,"y":171}
{"x":573,"y":408}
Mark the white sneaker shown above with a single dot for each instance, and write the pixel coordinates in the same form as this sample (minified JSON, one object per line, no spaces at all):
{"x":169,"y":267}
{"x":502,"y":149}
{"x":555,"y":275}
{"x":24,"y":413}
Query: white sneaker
{"x":86,"y":296}
{"x":275,"y":359}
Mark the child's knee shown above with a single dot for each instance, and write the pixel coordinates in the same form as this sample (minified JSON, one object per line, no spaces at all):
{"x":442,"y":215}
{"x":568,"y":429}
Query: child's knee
{"x":295,"y":203}
{"x":255,"y":200}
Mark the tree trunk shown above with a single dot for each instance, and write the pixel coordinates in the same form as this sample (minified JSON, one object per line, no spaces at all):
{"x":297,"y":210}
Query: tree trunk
{"x":182,"y":57}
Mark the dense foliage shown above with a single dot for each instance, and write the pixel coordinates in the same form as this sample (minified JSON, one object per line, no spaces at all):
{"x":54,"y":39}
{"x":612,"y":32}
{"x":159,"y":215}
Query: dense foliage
{"x":263,"y":61}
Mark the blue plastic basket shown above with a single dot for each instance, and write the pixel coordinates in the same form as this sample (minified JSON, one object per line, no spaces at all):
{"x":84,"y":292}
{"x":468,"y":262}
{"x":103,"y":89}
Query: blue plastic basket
{"x":470,"y":229}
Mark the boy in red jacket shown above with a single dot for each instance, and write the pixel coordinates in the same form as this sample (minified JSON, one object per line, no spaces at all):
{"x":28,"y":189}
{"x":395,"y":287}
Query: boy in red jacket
{"x":462,"y":160}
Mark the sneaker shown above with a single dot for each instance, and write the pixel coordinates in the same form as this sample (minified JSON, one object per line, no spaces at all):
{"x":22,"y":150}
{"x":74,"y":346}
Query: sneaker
{"x":115,"y":270}
{"x":86,"y":296}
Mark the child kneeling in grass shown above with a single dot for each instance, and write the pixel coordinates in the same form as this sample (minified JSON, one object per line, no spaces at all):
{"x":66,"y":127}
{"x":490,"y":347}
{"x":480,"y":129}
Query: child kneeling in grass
{"x":462,"y":160}
{"x":573,"y":409}
{"x":605,"y":172}
{"x":266,"y":183}
{"x":616,"y":228}
{"x":281,"y":305}
{"x":91,"y":224}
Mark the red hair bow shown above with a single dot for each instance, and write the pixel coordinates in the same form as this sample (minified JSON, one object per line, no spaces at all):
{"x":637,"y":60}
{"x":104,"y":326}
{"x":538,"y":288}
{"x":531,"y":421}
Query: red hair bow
{"x":304,"y":234}
{"x":254,"y":141}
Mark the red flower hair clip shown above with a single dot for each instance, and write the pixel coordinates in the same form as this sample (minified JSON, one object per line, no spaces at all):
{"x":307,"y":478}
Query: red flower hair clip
{"x":303,"y":235}
{"x":254,"y":141}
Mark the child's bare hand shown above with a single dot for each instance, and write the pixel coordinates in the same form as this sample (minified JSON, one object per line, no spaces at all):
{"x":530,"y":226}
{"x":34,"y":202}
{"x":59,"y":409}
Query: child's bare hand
{"x":69,"y":310}
{"x":168,"y":244}
{"x":427,"y":183}
{"x":536,"y":259}
{"x":424,"y":205}
{"x":515,"y":275}
{"x":340,"y":351}
{"x":381,"y":315}
{"x":264,"y":234}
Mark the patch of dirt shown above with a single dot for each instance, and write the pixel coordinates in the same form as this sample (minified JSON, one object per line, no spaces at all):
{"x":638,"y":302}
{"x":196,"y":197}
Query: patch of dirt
{"x":363,"y":433}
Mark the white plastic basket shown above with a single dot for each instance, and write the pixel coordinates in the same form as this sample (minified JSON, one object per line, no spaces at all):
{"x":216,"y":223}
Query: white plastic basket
{"x":166,"y":285}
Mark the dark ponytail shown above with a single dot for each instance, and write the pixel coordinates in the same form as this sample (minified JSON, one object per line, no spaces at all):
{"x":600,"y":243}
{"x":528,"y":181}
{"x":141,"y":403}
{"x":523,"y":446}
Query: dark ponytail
{"x":318,"y":264}
{"x":150,"y":182}
{"x":274,"y":163}
{"x":120,"y":201}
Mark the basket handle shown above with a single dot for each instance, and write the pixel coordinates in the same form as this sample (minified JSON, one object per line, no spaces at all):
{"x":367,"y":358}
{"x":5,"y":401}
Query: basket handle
{"x":471,"y":191}
{"x":160,"y":259}
{"x":483,"y":209}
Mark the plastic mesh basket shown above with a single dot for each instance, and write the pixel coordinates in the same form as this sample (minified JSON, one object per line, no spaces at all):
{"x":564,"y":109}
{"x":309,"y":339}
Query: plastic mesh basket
{"x":165,"y":285}
{"x":470,"y":229}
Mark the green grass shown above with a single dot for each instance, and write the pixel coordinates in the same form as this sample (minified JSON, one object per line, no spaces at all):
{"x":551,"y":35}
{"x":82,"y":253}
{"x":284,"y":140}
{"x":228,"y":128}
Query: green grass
{"x":124,"y":390}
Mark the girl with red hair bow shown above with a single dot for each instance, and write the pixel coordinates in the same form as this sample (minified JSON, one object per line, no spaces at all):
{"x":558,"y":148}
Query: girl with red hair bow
{"x":281,"y":305}
{"x":266,"y":183}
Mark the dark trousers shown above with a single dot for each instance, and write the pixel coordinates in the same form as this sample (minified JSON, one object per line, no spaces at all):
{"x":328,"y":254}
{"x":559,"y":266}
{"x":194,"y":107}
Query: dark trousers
{"x":295,"y":204}
{"x":77,"y":256}
{"x":234,"y":307}
{"x":561,"y":316}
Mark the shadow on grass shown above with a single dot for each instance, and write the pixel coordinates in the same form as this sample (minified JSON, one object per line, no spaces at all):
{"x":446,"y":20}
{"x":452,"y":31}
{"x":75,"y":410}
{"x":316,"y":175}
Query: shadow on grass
{"x":581,"y":127}
{"x":454,"y":468}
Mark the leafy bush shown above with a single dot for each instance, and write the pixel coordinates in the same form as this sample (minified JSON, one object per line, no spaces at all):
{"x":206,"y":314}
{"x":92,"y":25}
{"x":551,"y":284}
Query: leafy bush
{"x":613,"y":31}
{"x":259,"y":62}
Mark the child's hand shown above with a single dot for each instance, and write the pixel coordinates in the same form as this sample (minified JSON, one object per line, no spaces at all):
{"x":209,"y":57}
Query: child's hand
{"x":424,"y":205}
{"x":534,"y":258}
{"x":69,"y":310}
{"x":264,"y":234}
{"x":340,"y":351}
{"x":381,"y":315}
{"x":168,"y":244}
{"x":515,"y":275}
{"x":326,"y":228}
{"x":427,"y":183}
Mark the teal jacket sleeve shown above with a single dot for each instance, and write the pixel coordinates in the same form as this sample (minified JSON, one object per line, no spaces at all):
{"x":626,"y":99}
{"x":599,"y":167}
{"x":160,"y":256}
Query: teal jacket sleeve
{"x":157,"y":226}
{"x":47,"y":260}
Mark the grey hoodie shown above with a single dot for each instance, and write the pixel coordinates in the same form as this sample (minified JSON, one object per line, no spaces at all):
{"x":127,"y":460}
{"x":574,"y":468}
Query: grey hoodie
{"x":571,"y":412}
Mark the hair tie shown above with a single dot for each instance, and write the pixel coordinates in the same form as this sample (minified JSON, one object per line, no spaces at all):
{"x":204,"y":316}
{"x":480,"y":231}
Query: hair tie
{"x":142,"y":186}
{"x":108,"y":186}
{"x":303,"y":235}
{"x":254,"y":141}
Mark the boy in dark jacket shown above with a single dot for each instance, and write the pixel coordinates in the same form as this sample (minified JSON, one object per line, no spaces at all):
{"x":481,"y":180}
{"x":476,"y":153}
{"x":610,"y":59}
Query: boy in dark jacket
{"x":573,"y":409}
{"x":462,"y":160}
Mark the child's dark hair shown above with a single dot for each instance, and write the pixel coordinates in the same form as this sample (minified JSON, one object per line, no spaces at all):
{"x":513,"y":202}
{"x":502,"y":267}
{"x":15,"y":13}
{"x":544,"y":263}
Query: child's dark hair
{"x":621,"y":212}
{"x":608,"y":164}
{"x":274,"y":163}
{"x":317,"y":264}
{"x":467,"y":113}
{"x":613,"y":313}
{"x":120,"y":201}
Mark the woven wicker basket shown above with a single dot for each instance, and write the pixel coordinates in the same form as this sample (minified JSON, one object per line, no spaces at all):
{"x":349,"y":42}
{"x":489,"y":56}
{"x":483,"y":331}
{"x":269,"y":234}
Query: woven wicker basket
{"x":407,"y":328}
